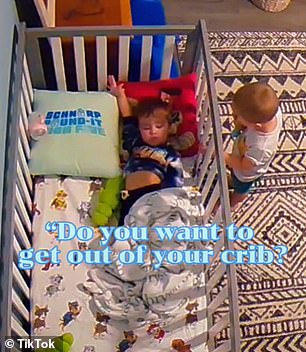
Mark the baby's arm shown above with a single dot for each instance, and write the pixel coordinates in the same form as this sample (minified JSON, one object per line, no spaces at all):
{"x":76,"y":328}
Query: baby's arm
{"x":256,"y":154}
{"x":119,"y":93}
{"x":130,"y":132}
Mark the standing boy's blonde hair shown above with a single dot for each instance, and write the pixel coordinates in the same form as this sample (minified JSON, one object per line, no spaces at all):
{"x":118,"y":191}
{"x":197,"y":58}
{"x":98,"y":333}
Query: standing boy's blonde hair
{"x":256,"y":102}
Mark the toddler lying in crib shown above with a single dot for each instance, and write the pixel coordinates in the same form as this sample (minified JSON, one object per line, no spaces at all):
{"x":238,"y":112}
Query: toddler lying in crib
{"x":258,"y":121}
{"x":152,"y":163}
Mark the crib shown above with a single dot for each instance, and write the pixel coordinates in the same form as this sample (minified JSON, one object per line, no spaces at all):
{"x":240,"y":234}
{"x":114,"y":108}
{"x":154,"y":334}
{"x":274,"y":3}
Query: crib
{"x":208,"y":172}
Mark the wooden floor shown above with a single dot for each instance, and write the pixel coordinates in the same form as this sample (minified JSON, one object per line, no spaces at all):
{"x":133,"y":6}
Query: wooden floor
{"x":236,"y":15}
{"x":220,"y":15}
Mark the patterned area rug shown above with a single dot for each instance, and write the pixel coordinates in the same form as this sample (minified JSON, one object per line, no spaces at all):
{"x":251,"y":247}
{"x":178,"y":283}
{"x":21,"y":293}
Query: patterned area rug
{"x":272,"y":298}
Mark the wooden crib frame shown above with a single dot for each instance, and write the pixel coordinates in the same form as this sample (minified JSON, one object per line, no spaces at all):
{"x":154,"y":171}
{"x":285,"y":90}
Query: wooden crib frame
{"x":46,"y":12}
{"x":223,"y":333}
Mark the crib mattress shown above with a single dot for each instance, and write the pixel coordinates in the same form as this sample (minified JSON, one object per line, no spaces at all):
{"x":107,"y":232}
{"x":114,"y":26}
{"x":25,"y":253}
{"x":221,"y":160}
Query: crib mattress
{"x":61,"y":301}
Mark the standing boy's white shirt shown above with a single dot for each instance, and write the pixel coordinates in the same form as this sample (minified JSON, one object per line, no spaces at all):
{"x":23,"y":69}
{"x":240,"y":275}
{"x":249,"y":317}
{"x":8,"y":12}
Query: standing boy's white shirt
{"x":259,"y":147}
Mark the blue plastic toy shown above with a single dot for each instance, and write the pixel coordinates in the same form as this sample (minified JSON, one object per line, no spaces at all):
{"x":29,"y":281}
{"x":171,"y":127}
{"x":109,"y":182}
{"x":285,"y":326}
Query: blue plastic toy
{"x":148,"y":13}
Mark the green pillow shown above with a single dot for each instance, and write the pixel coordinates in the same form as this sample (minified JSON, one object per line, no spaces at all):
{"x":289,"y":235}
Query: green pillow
{"x":83,"y":135}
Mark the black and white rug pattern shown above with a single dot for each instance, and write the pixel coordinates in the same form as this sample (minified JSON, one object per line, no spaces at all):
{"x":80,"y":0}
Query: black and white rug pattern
{"x":272,"y":298}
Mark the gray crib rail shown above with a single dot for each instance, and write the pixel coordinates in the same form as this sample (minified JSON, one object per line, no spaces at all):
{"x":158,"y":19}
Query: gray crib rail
{"x":14,"y":302}
{"x":209,"y":170}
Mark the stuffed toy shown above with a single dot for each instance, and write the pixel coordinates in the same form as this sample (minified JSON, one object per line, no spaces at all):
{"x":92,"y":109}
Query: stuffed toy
{"x":109,"y":198}
{"x":181,"y":94}
{"x":180,"y":142}
{"x":37,"y":125}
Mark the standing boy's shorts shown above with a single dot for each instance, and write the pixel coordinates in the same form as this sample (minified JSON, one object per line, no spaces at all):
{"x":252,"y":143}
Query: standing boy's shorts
{"x":241,"y":187}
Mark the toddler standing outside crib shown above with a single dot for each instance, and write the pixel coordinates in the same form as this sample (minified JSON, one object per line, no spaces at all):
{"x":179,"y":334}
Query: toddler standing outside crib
{"x":258,"y":121}
{"x":152,"y":164}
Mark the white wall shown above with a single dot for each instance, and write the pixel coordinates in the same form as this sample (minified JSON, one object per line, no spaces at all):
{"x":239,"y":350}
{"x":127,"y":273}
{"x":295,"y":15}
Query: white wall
{"x":8,"y":17}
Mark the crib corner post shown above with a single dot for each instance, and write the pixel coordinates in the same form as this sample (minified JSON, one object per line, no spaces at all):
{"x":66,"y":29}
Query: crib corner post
{"x":190,"y":54}
{"x":34,"y":58}
{"x":9,"y":180}
{"x":231,"y":281}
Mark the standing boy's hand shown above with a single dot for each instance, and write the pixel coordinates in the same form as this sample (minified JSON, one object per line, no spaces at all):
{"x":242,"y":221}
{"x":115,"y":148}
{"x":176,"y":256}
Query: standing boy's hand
{"x":238,"y":126}
{"x":227,"y":158}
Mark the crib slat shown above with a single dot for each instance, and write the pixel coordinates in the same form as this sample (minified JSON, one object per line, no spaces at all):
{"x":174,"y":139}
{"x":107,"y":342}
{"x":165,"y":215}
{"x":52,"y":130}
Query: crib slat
{"x":212,"y":201}
{"x":21,"y":232}
{"x":225,"y":347}
{"x":204,"y":127}
{"x":200,"y":75}
{"x":217,"y":301}
{"x":24,"y":139}
{"x":18,"y":328}
{"x":203,"y":103}
{"x":168,"y":56}
{"x":219,"y":326}
{"x":42,"y":10}
{"x":51,"y":12}
{"x":124,"y":53}
{"x":24,"y":188}
{"x":200,"y":66}
{"x":16,"y":245}
{"x":24,"y":113}
{"x":23,"y":210}
{"x":24,"y":165}
{"x":17,"y":249}
{"x":101,"y":42}
{"x":20,"y":281}
{"x":27,"y":78}
{"x":201,"y":90}
{"x":58,"y":60}
{"x":206,"y":109}
{"x":206,"y":161}
{"x":203,"y":139}
{"x":210,"y":177}
{"x":146,"y":54}
{"x":80,"y":65}
{"x":214,"y":280}
{"x":26,"y":96}
{"x":217,"y":249}
{"x":20,"y":306}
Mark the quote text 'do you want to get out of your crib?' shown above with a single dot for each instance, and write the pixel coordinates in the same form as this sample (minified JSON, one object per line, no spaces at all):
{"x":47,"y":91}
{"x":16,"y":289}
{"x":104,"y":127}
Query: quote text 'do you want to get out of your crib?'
{"x":66,"y":231}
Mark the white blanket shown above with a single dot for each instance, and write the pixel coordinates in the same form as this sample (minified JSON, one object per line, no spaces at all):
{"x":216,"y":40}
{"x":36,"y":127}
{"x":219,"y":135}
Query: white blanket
{"x":158,"y":306}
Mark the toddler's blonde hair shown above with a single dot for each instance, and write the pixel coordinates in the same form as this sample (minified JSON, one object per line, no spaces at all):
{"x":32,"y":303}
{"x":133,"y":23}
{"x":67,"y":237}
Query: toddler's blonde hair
{"x":256,"y":102}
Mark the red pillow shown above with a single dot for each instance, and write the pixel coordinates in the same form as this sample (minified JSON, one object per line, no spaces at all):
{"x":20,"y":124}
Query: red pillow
{"x":185,"y":102}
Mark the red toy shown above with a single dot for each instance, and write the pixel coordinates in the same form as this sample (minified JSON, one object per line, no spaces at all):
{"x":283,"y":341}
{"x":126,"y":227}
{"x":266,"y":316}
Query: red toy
{"x":183,"y":100}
